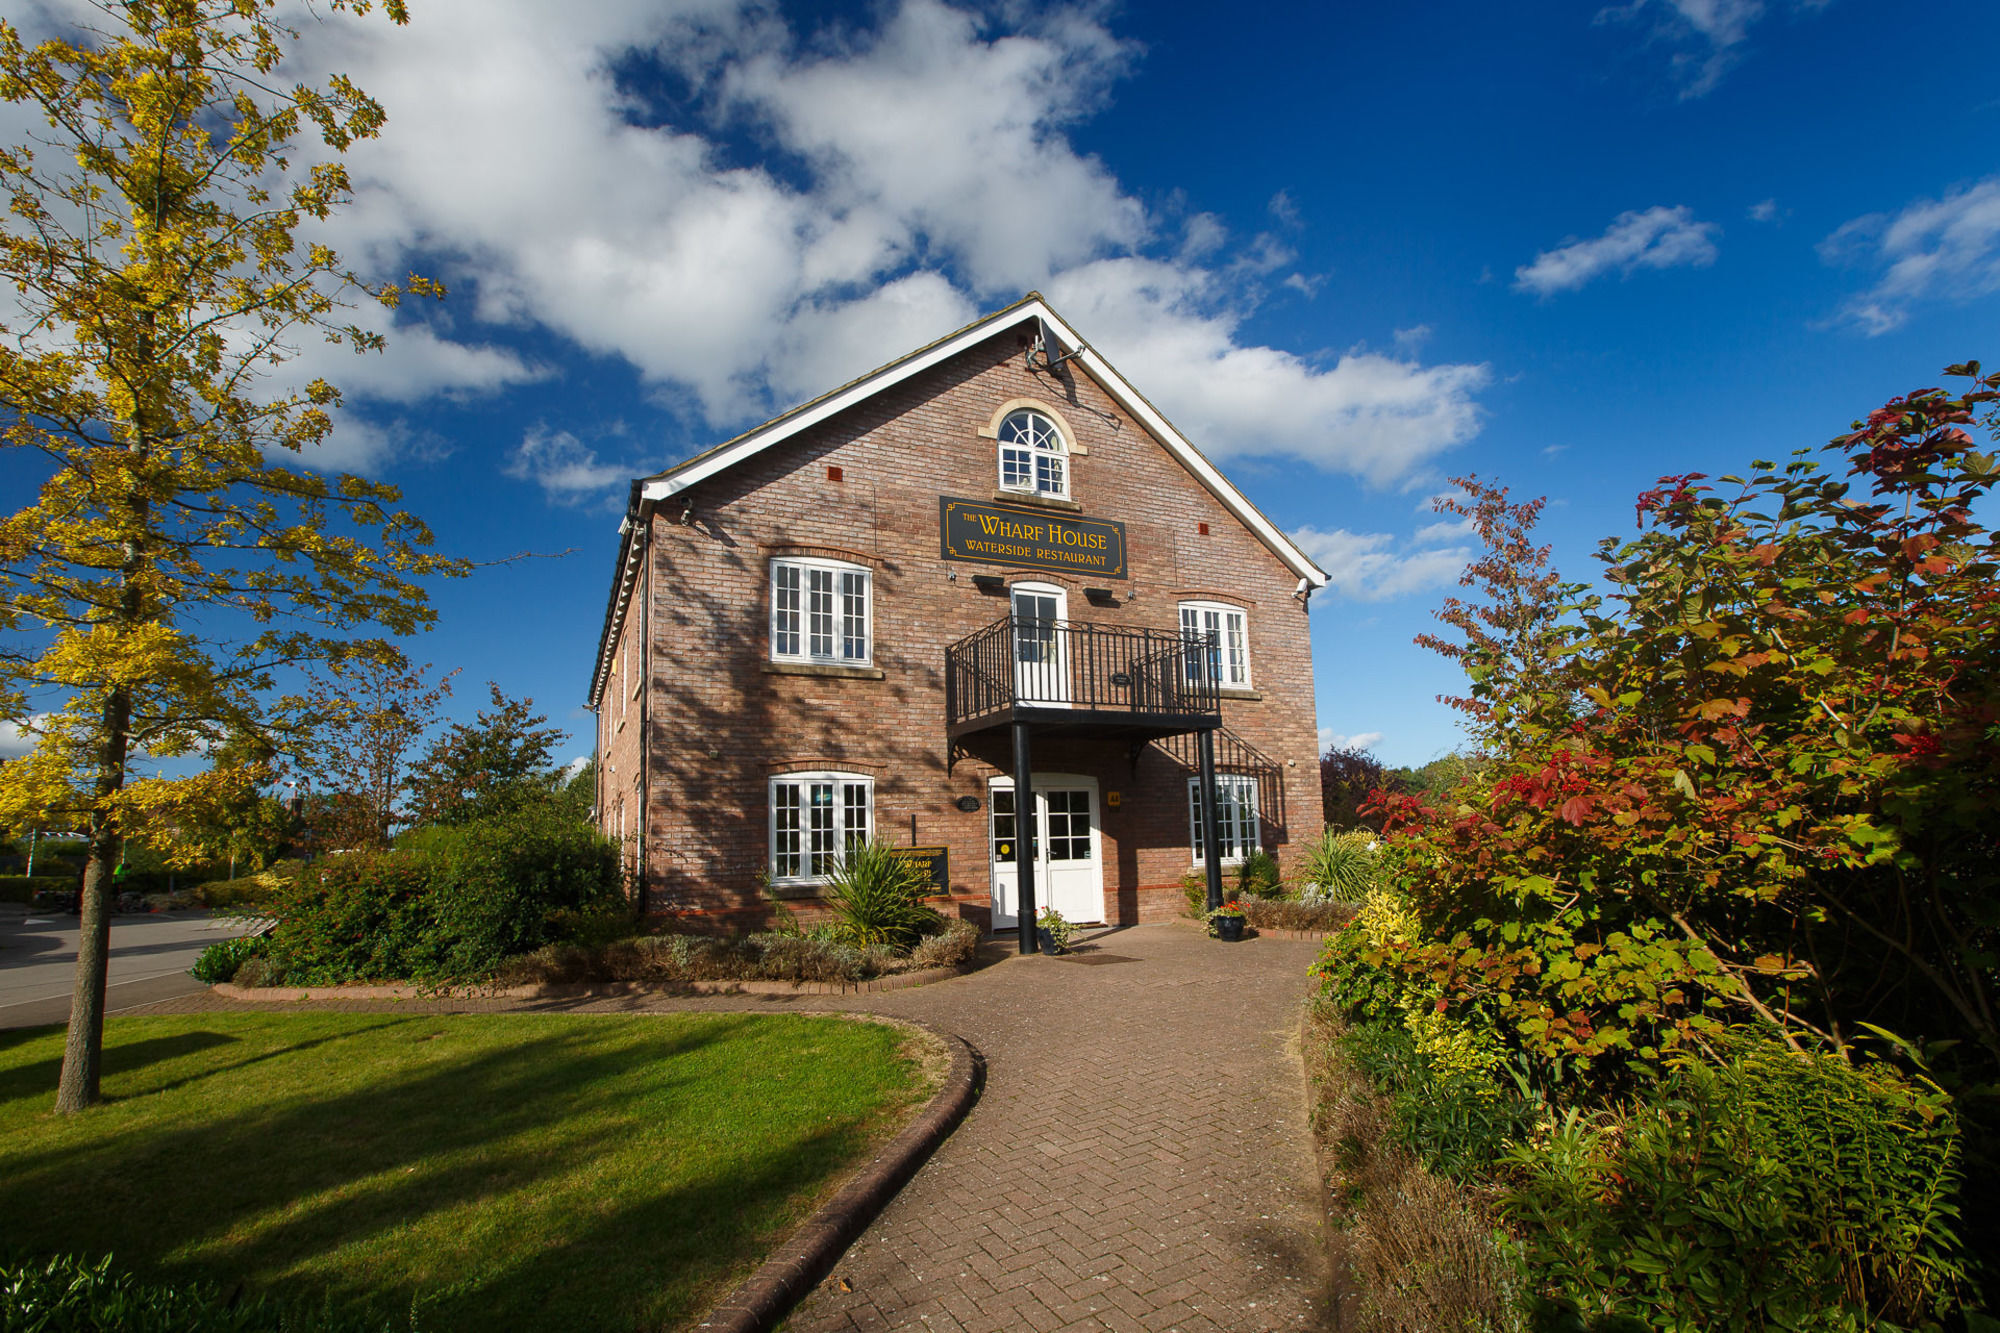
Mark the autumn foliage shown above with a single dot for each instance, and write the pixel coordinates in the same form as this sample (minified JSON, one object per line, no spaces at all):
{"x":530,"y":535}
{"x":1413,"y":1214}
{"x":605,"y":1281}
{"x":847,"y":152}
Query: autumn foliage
{"x":1756,"y":782}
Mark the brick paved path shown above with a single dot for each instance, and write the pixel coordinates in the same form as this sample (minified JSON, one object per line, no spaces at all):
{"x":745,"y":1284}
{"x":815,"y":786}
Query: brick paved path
{"x":1139,"y":1160}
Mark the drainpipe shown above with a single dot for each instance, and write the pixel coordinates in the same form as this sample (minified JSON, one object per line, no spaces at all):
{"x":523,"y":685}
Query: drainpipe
{"x":645,"y":631}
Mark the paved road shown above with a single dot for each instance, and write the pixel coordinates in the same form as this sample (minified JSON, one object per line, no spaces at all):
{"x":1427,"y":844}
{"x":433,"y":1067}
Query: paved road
{"x":150,"y":956}
{"x":1139,"y":1160}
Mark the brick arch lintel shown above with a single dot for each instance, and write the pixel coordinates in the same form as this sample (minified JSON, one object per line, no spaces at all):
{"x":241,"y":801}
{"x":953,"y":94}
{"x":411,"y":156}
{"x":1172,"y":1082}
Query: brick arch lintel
{"x":867,"y":768}
{"x":991,"y":430}
{"x":823,"y":552}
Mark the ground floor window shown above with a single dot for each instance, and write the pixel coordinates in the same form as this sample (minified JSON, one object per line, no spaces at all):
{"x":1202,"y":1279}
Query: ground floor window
{"x":1235,"y":816}
{"x":815,"y":819}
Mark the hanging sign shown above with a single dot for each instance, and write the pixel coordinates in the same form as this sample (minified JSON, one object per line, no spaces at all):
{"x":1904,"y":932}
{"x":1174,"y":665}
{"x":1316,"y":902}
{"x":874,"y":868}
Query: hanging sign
{"x":996,"y":534}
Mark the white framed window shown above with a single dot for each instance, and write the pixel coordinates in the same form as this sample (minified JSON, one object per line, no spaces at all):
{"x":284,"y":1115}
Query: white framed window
{"x":1218,"y":637}
{"x":815,"y":819}
{"x":820,"y":612}
{"x":1235,"y":816}
{"x":1033,"y":457}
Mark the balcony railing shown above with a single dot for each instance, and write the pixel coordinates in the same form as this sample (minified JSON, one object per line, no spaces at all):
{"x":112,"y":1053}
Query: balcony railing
{"x":1099,"y":674}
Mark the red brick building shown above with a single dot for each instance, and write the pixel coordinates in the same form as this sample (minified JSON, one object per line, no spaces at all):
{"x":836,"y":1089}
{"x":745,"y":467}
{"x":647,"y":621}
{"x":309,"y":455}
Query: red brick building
{"x":853,"y":620}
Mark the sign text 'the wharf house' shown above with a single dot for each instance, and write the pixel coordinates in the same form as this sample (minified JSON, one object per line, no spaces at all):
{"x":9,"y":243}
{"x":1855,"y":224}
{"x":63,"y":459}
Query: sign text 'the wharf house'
{"x":1030,"y":539}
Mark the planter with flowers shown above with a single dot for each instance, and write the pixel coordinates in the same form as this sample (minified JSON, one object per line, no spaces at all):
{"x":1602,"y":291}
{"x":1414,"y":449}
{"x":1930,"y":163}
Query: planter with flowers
{"x":1226,"y":921}
{"x":1053,"y":931}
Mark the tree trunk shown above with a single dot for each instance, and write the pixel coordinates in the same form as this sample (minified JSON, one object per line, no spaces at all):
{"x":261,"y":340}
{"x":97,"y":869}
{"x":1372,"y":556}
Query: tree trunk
{"x":83,"y":1049}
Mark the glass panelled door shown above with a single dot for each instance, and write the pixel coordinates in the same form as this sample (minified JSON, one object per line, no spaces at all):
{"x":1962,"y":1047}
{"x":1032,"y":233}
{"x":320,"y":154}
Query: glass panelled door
{"x":1041,"y":653}
{"x":1068,"y":867}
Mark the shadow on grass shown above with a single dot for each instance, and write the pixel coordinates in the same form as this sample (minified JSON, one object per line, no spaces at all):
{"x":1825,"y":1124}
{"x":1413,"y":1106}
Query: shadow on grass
{"x":268,"y":1192}
{"x":22,"y":1082}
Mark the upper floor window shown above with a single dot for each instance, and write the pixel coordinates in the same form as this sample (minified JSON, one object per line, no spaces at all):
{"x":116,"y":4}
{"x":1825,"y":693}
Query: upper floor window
{"x":816,"y":819}
{"x":1219,"y":643}
{"x":1033,"y":457}
{"x":819,"y":612}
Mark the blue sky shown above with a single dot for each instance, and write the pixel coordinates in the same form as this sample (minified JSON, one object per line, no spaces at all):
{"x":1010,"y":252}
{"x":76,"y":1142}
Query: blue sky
{"x":1350,"y":249}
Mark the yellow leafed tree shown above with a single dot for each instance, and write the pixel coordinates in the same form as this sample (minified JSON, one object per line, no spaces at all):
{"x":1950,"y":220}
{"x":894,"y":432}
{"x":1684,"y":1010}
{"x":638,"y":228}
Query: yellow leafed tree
{"x":177,"y":552}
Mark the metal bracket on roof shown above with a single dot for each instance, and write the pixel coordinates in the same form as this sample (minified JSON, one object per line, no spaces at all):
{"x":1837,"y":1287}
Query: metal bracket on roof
{"x":1045,"y":339}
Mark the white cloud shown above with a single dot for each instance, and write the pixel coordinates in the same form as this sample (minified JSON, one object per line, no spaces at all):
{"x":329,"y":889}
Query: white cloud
{"x":1410,"y":339}
{"x":1329,"y":739}
{"x":831,"y":201}
{"x":567,"y":470}
{"x":1764,"y":211}
{"x":1934,"y":248}
{"x":1659,"y":237}
{"x":14,"y":742}
{"x":1709,"y":36}
{"x":1369,"y":567}
{"x":1446,"y":530}
{"x":1165,"y":327}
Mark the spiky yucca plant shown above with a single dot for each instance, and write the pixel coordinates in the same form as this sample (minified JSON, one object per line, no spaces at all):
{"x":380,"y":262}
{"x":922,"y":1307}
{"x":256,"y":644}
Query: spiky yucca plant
{"x":877,"y":899}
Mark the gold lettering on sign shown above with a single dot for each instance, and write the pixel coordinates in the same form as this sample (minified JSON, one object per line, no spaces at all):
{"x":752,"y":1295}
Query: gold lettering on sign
{"x":998,"y":534}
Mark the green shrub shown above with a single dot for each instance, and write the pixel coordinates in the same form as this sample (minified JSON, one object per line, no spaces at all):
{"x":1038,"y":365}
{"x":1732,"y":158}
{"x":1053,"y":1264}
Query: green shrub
{"x":1194,"y":888}
{"x":1763,"y":1190}
{"x":512,"y":884}
{"x":954,"y":946}
{"x":23,"y":888}
{"x":1455,"y":1119}
{"x":220,"y":961}
{"x":248,"y":893}
{"x":71,"y":1295}
{"x":876,"y":897}
{"x":1341,"y":866}
{"x":681,"y":958}
{"x":1257,"y":876}
{"x":451,"y":905}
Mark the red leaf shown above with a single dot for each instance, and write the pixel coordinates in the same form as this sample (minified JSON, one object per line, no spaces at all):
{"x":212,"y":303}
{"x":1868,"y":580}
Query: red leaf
{"x":1576,"y":809}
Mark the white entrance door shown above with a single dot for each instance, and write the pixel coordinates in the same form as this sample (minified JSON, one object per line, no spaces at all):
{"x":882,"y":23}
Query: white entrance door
{"x":1041,"y":647}
{"x":1069,"y":870}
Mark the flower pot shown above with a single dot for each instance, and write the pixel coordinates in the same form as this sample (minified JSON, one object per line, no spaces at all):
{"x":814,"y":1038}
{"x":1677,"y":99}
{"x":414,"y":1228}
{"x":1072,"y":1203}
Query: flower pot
{"x":1049,"y":945}
{"x":1229,"y":927}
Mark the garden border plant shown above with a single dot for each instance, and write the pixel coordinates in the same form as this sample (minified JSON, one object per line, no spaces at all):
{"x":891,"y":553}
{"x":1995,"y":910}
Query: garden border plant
{"x":1737,"y":827}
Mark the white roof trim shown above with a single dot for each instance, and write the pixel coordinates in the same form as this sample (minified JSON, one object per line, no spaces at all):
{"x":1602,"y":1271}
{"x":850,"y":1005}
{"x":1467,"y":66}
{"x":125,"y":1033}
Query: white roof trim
{"x":703,"y":466}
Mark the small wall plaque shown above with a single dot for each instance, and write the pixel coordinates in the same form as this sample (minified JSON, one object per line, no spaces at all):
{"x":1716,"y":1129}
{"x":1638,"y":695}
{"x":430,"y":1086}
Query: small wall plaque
{"x":968,"y":803}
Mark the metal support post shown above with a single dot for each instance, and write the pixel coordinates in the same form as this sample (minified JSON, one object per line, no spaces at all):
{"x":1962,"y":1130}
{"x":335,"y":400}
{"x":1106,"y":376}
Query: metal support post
{"x":1211,"y":851}
{"x":1024,"y":838}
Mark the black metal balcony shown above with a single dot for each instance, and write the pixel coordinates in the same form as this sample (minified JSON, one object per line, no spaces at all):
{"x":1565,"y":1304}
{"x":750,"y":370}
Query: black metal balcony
{"x":1079,"y":679}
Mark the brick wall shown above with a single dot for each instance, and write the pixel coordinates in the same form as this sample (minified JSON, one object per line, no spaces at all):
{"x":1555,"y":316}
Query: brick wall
{"x":719,"y":722}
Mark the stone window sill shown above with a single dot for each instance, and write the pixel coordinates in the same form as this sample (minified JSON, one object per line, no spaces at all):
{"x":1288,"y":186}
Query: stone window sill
{"x":822,"y":669}
{"x":790,"y":892}
{"x":1037,"y":501}
{"x":1250,"y":696}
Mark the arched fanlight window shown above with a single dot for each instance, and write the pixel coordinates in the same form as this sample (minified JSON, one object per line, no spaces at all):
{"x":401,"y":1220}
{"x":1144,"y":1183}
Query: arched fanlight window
{"x":1033,"y":457}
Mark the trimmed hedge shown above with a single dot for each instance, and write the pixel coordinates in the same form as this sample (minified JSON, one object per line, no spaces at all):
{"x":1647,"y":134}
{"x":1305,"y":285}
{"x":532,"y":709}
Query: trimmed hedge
{"x":448,"y":906}
{"x":67,"y":1294}
{"x":23,"y":888}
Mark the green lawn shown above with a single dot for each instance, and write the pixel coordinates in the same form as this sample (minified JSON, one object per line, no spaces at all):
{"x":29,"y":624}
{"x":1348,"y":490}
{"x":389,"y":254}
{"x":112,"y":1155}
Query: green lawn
{"x":500,"y":1171}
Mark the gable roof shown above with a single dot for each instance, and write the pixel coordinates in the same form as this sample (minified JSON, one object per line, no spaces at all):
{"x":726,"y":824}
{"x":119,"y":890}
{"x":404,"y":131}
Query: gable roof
{"x":690,"y":472}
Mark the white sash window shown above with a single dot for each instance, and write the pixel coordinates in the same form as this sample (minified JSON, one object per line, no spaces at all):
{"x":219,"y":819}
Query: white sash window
{"x":1218,"y":643}
{"x":820,"y":612}
{"x":815,"y":819}
{"x":1235,"y":816}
